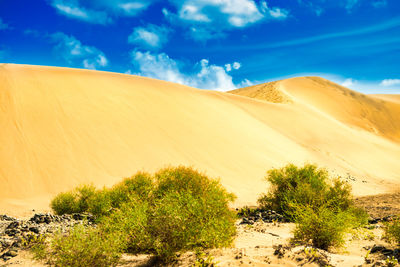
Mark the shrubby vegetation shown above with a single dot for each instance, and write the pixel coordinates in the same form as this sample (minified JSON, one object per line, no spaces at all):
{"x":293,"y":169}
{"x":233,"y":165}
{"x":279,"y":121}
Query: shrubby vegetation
{"x":392,"y":231}
{"x":322,"y":209}
{"x":179,"y":209}
{"x":84,"y":246}
{"x":176,"y":209}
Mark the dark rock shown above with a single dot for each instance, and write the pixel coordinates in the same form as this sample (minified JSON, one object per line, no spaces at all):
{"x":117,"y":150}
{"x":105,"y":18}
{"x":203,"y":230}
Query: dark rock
{"x":377,"y":248}
{"x":13,"y":225}
{"x":387,"y":252}
{"x":34,"y":229}
{"x":11,"y":253}
{"x":374,"y":220}
{"x":4,"y":217}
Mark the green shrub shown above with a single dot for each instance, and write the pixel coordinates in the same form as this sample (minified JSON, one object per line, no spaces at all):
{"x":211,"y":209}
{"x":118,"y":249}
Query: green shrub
{"x":84,"y":246}
{"x":176,"y":209}
{"x":75,"y":201}
{"x":139,"y":186}
{"x":307,"y":186}
{"x":130,"y":225}
{"x":64,"y":203}
{"x":87,"y":198}
{"x":392,"y":231}
{"x":324,"y":227}
{"x":323,"y":209}
{"x":184,"y":209}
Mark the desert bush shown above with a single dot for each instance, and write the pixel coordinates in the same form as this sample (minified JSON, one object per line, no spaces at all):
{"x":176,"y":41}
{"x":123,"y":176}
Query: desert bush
{"x":184,"y":209}
{"x":392,"y":231}
{"x":176,"y":209}
{"x":130,"y":225}
{"x":323,"y":209}
{"x":138,"y":186}
{"x":64,"y":203}
{"x":75,"y":201}
{"x":83,"y":246}
{"x":305,"y":186}
{"x":322,"y":227}
{"x":87,"y":198}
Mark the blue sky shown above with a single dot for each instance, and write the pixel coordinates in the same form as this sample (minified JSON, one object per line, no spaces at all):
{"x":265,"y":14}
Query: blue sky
{"x":211,"y":44}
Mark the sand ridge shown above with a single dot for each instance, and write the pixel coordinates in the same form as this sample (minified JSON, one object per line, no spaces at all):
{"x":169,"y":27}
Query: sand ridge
{"x":63,"y":127}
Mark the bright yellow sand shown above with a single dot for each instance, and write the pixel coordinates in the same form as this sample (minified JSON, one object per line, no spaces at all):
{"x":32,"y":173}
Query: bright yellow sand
{"x":63,"y":127}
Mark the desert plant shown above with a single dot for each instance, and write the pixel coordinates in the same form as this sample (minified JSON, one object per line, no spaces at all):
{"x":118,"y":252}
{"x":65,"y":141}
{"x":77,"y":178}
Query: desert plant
{"x":184,"y":209}
{"x":130,"y":225}
{"x":37,"y":245}
{"x":139,"y":185}
{"x":392,"y":231}
{"x":292,"y":187}
{"x":323,"y":209}
{"x":77,"y":200}
{"x":64,"y":203}
{"x":324,"y":227}
{"x":83,"y":246}
{"x":176,"y":209}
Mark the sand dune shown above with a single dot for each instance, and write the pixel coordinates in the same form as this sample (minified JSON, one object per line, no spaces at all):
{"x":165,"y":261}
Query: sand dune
{"x":62,"y":127}
{"x":388,"y":97}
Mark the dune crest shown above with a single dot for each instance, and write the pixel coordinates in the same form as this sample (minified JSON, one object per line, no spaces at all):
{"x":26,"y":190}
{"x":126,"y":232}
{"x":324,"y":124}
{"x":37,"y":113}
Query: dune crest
{"x":63,"y":127}
{"x":378,"y":115}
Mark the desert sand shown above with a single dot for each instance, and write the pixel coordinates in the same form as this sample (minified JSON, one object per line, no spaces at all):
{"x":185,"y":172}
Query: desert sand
{"x":62,"y":127}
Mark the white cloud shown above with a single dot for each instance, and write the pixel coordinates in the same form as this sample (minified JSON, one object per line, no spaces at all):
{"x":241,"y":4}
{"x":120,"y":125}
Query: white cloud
{"x":72,"y":9}
{"x":208,"y":19}
{"x":204,"y":75}
{"x":236,"y":65}
{"x":99,"y":11}
{"x":152,"y":36}
{"x":390,"y":82}
{"x":348,"y":82}
{"x":274,"y":12}
{"x":3,"y":25}
{"x":245,"y":83}
{"x":74,"y":52}
{"x":132,"y":8}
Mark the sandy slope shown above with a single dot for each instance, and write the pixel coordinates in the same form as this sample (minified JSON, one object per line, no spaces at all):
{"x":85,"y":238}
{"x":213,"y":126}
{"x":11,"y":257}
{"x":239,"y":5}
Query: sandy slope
{"x":388,"y":97}
{"x":62,"y":127}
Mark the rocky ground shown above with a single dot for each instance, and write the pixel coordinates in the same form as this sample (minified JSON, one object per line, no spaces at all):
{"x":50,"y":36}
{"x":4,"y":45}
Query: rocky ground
{"x":15,"y":232}
{"x":263,"y":239}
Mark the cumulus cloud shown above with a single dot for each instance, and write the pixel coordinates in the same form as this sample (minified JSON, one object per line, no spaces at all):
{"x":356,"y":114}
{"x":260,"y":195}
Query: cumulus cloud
{"x":151,"y":36}
{"x":99,"y":11}
{"x":390,"y":82}
{"x":348,"y":82}
{"x":204,"y":75}
{"x":201,"y":16}
{"x":234,"y":65}
{"x":74,"y":52}
{"x":3,"y":25}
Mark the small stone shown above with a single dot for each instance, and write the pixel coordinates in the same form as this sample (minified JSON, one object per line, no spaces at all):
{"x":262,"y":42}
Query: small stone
{"x":6,"y":258}
{"x":11,"y":253}
{"x":13,"y":225}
